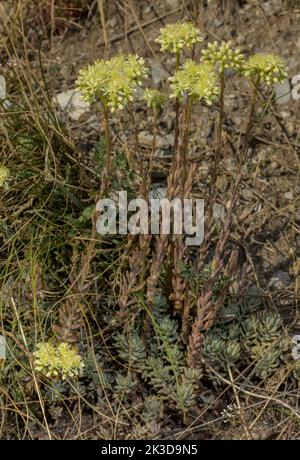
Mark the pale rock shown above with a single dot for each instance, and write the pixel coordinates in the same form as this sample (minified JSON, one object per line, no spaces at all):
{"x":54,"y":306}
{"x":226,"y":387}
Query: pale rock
{"x":158,"y":73}
{"x":283,"y":92}
{"x":72,"y":103}
{"x":289,"y":195}
{"x":219,"y":212}
{"x":162,"y":142}
{"x":280,"y":280}
{"x":2,"y":347}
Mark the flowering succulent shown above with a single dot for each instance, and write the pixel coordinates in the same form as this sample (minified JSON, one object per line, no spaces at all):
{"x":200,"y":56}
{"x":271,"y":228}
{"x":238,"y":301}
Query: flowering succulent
{"x":61,"y":361}
{"x":197,"y":80}
{"x":267,"y":68}
{"x":113,"y":82}
{"x":174,"y":37}
{"x":155,"y":99}
{"x":223,"y":56}
{"x":4,"y":173}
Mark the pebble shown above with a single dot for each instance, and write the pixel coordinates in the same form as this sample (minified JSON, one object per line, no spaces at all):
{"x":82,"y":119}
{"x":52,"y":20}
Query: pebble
{"x":162,"y":141}
{"x":247,"y":194}
{"x":219,"y":212}
{"x":72,"y":103}
{"x":289,"y":195}
{"x":158,"y":73}
{"x":280,"y":280}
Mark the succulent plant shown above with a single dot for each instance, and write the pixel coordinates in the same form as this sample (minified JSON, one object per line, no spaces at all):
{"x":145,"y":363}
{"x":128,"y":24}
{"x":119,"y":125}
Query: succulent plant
{"x":247,"y":338}
{"x":130,"y":348}
{"x":153,"y":409}
{"x":183,"y":396}
{"x":124,"y":383}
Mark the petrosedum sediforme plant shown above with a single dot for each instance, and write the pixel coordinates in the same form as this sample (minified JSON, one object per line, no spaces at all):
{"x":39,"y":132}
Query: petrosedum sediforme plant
{"x":175,"y":37}
{"x":113,"y":83}
{"x":62,"y":361}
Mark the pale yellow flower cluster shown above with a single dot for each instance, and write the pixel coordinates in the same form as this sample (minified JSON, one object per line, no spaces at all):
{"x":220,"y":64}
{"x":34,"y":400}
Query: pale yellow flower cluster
{"x":223,"y":56}
{"x":267,"y":68}
{"x":155,"y":99}
{"x":174,"y":37}
{"x":62,"y":361}
{"x":113,"y":82}
{"x":199,"y":81}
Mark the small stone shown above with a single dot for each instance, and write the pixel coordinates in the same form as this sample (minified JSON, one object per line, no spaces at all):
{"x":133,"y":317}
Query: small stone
{"x":173,"y":3}
{"x":283,"y":93}
{"x":241,"y":40}
{"x":169,"y":119}
{"x":71,"y":102}
{"x":229,"y":164}
{"x":2,"y":88}
{"x":112,"y":22}
{"x":162,"y":141}
{"x":285,"y":114}
{"x":289,"y":195}
{"x":2,"y":347}
{"x":139,"y":94}
{"x":247,"y":194}
{"x":280,"y":280}
{"x":219,"y":212}
{"x":158,"y":73}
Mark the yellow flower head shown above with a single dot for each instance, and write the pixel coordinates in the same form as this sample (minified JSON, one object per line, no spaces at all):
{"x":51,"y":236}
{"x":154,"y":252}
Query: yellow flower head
{"x":4,"y":173}
{"x":62,"y":361}
{"x":267,"y":68}
{"x":113,"y":82}
{"x":174,"y":37}
{"x":223,"y":56}
{"x":197,"y":80}
{"x":155,"y":99}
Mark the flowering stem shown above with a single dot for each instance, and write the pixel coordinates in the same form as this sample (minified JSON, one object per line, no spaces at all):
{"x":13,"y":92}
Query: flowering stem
{"x":250,"y":121}
{"x":89,"y":253}
{"x":182,"y":146}
{"x":153,"y":149}
{"x":176,"y":128}
{"x":214,"y":174}
{"x":139,"y":153}
{"x":107,"y":167}
{"x":196,"y":23}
